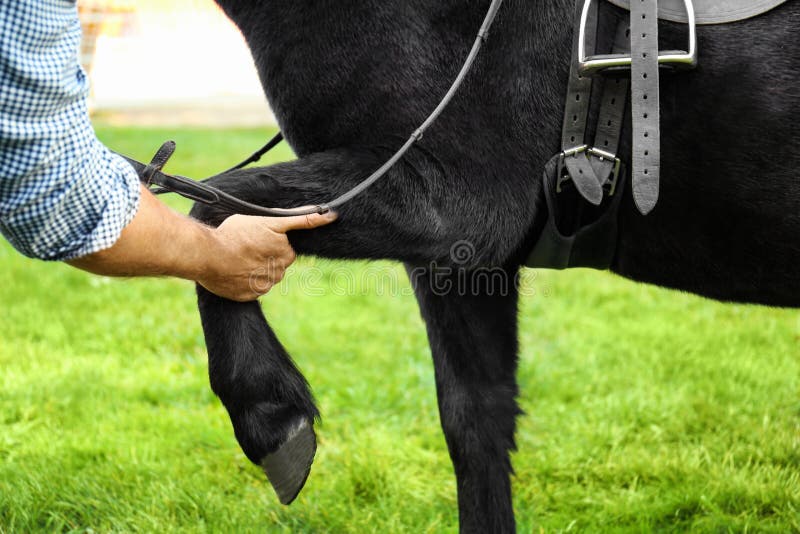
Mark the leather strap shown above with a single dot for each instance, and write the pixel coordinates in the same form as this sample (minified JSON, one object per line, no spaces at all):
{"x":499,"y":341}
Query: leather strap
{"x":579,"y":90}
{"x":152,"y":174}
{"x":612,"y":112}
{"x":258,"y":154}
{"x":148,"y":173}
{"x":645,"y":104}
{"x":576,"y":115}
{"x":589,"y":170}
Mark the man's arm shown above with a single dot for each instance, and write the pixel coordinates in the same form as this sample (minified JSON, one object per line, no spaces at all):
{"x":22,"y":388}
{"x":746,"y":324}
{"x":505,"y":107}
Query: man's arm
{"x":240,"y":260}
{"x":65,"y":197}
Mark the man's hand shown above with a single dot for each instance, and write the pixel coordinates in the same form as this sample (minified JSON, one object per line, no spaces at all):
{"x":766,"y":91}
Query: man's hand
{"x":253,"y":254}
{"x":240,"y":260}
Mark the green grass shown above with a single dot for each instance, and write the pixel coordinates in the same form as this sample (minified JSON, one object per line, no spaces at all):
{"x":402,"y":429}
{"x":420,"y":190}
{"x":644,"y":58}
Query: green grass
{"x":647,"y":410}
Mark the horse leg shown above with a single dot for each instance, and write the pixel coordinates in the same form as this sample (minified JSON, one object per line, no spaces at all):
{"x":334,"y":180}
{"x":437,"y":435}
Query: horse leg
{"x":267,"y":398}
{"x":472,"y":329}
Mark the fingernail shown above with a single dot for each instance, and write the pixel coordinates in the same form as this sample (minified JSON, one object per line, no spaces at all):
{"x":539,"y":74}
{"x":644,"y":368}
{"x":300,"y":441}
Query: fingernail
{"x":330,"y":215}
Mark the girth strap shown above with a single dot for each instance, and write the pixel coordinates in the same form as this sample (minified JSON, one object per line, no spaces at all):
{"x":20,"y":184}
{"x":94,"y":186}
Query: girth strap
{"x":612,"y":114}
{"x":576,"y":115}
{"x":581,"y":235}
{"x":592,"y":167}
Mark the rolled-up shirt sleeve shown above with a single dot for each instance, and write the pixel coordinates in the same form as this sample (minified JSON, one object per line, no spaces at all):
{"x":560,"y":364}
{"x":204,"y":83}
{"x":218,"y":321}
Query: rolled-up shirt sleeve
{"x":63,"y":194}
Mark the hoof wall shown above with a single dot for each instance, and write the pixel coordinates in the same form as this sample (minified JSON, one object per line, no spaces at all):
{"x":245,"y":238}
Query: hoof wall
{"x":288,"y":468}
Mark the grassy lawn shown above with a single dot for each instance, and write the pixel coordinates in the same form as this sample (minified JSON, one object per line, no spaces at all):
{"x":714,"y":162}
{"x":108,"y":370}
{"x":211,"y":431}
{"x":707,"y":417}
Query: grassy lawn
{"x":647,"y":410}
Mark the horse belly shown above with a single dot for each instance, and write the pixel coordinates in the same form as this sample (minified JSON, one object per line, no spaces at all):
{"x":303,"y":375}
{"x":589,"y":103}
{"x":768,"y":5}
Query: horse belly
{"x":727,"y":225}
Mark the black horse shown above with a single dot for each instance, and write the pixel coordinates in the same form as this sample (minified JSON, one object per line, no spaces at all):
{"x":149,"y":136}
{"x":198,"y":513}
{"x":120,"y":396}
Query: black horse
{"x":349,"y":81}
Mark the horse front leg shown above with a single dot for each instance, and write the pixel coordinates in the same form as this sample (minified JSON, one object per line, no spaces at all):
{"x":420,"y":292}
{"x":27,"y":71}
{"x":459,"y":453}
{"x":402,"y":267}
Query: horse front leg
{"x":471,"y":318}
{"x":267,"y":398}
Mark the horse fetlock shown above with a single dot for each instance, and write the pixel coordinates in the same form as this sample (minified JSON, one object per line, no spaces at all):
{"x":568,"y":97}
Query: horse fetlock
{"x":261,"y":428}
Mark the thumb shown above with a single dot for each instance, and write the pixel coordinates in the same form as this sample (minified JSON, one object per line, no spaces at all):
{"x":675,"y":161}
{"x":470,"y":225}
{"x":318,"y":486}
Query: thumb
{"x":300,"y":222}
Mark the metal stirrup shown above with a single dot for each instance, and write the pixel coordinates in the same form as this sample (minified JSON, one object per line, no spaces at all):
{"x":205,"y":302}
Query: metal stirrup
{"x":591,"y":64}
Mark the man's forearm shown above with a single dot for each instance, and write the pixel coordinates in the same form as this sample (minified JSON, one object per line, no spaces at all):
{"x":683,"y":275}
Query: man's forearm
{"x":240,"y":260}
{"x":157,"y":242}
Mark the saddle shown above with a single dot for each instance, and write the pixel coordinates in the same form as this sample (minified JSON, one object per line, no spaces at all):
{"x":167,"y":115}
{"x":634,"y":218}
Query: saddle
{"x":709,"y":11}
{"x":583,"y":183}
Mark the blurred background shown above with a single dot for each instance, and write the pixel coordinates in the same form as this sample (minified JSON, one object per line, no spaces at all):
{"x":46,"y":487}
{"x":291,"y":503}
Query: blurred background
{"x":195,"y":62}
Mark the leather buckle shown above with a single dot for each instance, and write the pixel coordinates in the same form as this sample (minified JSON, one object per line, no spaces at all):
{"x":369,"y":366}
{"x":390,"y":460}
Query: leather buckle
{"x":615,"y":172}
{"x":590,"y":65}
{"x":562,"y":175}
{"x":610,"y":184}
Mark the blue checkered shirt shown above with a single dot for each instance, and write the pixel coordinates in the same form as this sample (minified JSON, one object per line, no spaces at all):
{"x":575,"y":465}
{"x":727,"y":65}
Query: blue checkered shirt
{"x":62,"y":193}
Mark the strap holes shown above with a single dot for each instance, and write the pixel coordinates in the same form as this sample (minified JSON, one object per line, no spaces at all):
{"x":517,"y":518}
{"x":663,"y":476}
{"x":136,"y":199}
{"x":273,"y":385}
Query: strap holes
{"x":608,"y":123}
{"x":574,"y":118}
{"x":644,"y":36}
{"x":613,"y":100}
{"x":646,"y":115}
{"x":646,"y":152}
{"x":606,"y":143}
{"x":572,"y":138}
{"x":646,"y":134}
{"x":577,"y":98}
{"x":646,"y":171}
{"x":644,"y":75}
{"x":644,"y":96}
{"x":644,"y":54}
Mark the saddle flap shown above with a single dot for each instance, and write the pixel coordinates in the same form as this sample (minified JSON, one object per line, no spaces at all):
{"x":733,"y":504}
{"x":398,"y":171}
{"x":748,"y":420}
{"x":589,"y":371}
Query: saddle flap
{"x":710,"y":11}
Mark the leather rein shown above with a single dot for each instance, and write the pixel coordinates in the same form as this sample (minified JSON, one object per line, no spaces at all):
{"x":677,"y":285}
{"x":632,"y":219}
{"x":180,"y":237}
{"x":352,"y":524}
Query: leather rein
{"x":152,"y":174}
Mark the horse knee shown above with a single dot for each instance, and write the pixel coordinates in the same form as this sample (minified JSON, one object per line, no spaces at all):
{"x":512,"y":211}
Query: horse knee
{"x":479,"y":422}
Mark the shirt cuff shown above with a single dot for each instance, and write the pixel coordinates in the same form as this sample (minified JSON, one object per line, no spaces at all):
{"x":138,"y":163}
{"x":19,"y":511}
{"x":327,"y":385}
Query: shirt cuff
{"x":122,"y":204}
{"x":82,"y":213}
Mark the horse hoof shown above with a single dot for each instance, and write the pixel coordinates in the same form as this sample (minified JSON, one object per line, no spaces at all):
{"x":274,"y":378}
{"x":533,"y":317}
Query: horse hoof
{"x":287,"y":468}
